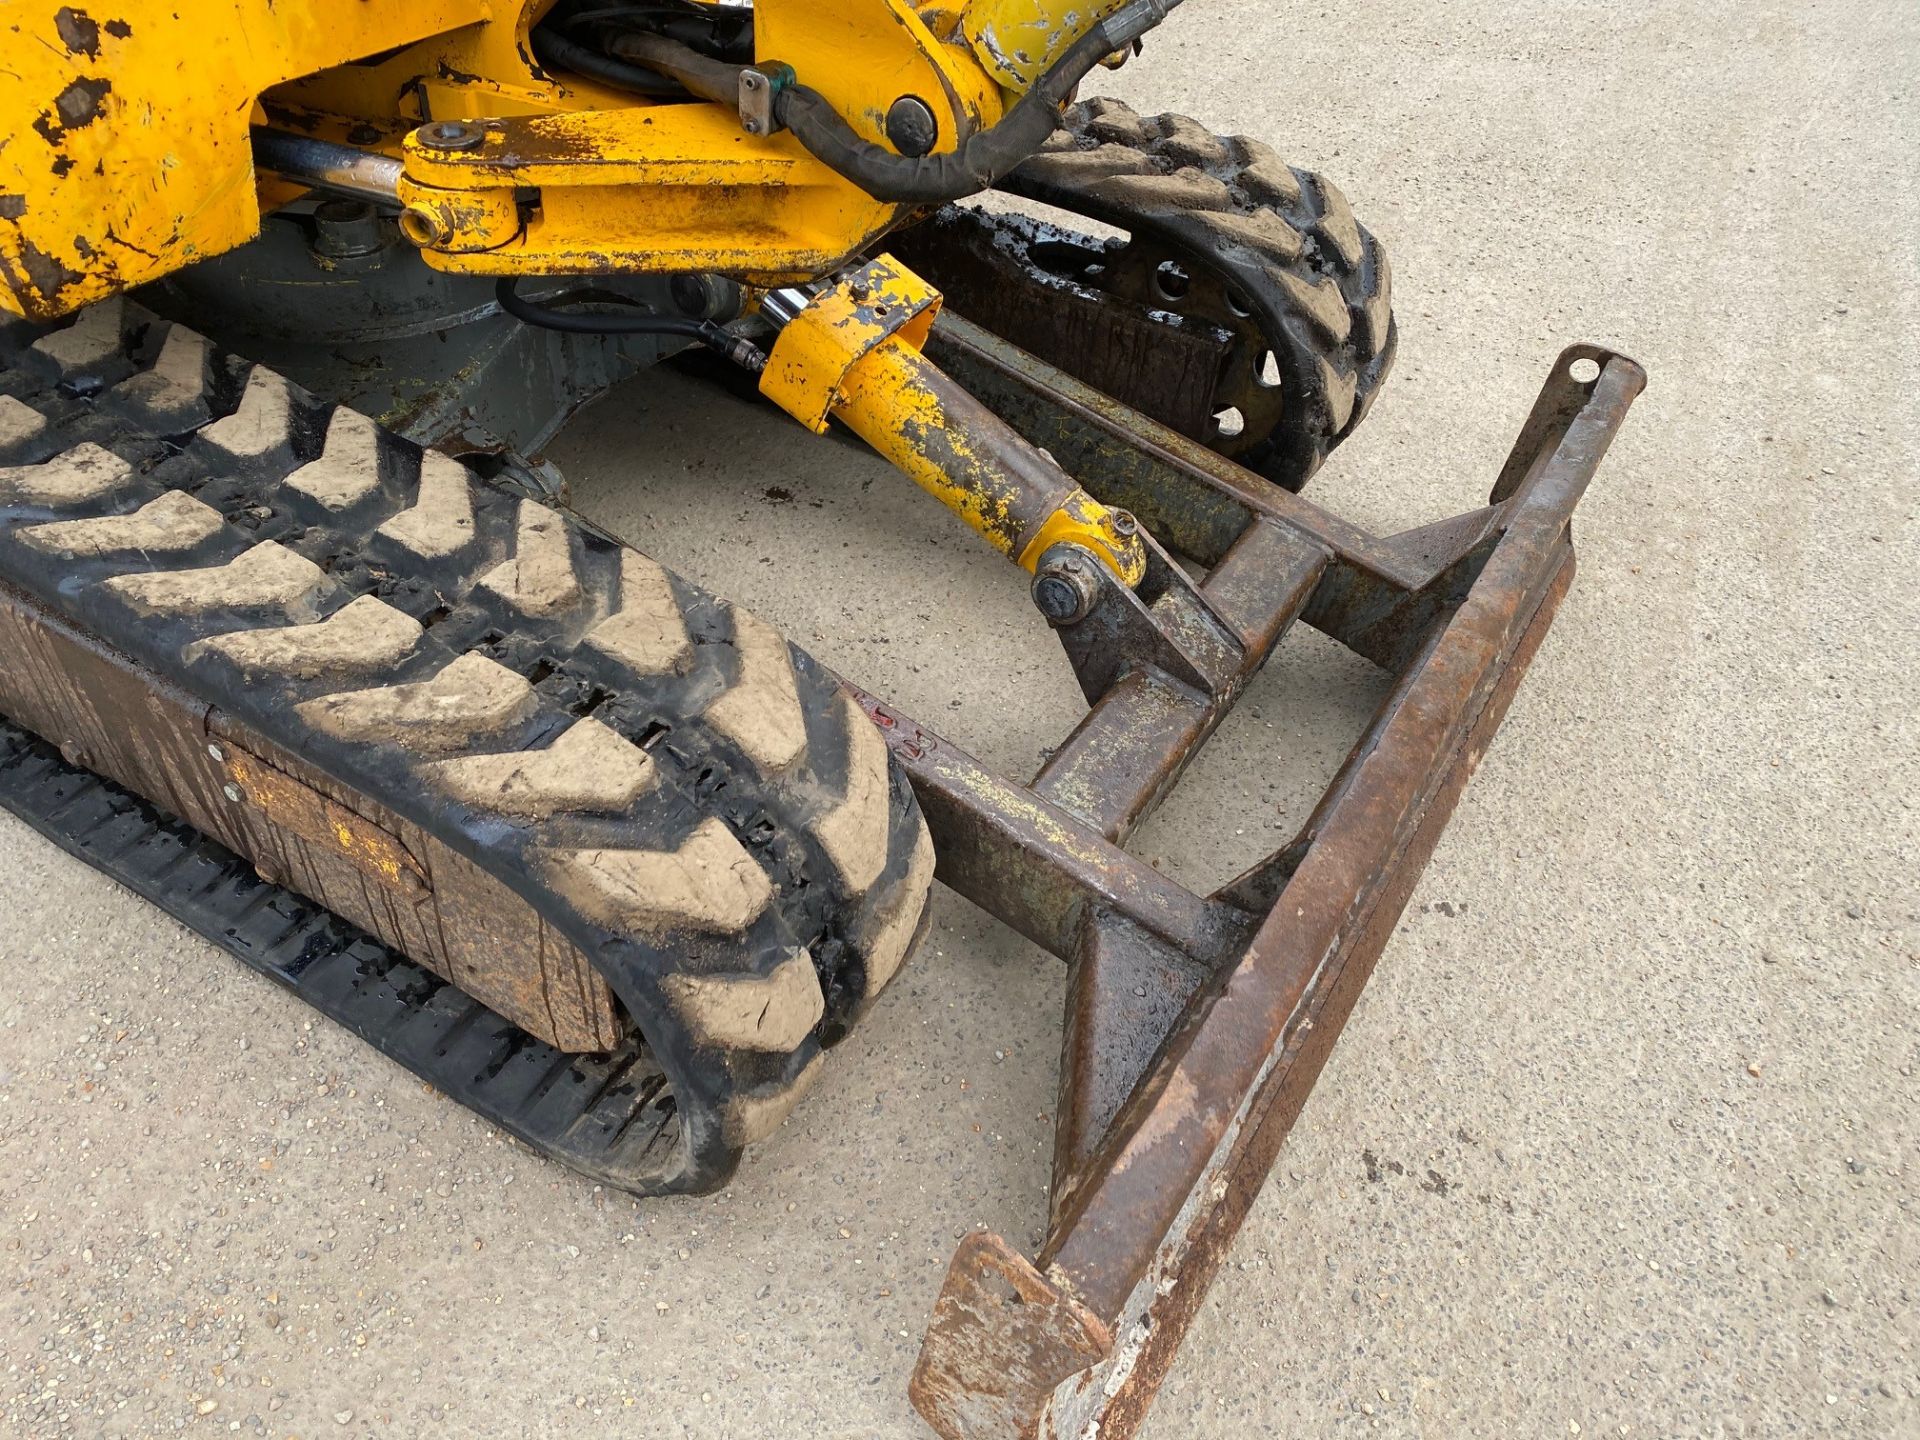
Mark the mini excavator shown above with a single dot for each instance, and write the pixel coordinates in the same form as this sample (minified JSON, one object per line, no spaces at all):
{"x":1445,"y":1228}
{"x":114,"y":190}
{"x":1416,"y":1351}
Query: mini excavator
{"x":300,"y":641}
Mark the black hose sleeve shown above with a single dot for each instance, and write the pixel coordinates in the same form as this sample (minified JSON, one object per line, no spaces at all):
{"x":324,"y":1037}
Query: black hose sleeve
{"x":555,"y":51}
{"x":710,"y":79}
{"x":929,"y":180}
{"x":895,"y":179}
{"x":982,"y":158}
{"x":575,"y":322}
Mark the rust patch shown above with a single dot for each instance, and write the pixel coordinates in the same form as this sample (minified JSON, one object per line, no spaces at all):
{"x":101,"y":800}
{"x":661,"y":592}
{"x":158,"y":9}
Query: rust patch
{"x":1003,"y":1338}
{"x":12,"y":207}
{"x":47,"y":276}
{"x":79,"y":103}
{"x":119,"y":29}
{"x":74,"y":108}
{"x":297,"y":807}
{"x":78,"y":31}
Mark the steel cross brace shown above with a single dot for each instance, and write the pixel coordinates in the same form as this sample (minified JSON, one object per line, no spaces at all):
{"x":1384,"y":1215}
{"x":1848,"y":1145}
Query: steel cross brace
{"x":1196,"y":1025}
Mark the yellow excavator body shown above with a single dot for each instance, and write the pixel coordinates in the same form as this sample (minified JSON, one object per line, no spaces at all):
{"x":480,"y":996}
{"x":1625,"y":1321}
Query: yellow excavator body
{"x":130,"y":154}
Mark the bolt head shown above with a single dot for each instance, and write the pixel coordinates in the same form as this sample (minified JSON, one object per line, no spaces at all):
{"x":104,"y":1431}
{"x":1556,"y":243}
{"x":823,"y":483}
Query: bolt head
{"x":912,"y":128}
{"x":452,"y":134}
{"x":232,"y":792}
{"x":1064,"y":590}
{"x":1124,"y":525}
{"x":216,"y":752}
{"x":1055,"y":597}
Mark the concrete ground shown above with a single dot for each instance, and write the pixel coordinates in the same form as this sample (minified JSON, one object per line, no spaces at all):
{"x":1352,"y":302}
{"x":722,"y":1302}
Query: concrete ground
{"x":1621,"y":1140}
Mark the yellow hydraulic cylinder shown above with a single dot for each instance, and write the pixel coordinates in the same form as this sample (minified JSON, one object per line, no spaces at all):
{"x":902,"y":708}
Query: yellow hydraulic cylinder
{"x":854,"y":353}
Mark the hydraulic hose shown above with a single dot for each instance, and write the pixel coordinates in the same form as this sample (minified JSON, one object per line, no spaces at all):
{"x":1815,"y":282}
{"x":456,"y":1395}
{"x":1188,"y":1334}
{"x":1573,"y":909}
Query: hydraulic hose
{"x":559,"y":52}
{"x":980,"y":160}
{"x":702,"y":75}
{"x":574,"y":322}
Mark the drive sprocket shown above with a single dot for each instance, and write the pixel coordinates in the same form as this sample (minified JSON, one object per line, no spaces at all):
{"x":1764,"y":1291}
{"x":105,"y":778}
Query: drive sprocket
{"x":1245,"y":306}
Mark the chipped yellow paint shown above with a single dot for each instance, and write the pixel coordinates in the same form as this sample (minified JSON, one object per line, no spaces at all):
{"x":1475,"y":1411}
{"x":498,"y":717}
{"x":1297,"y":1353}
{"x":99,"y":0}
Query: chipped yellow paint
{"x":862,"y":55}
{"x":130,"y":154}
{"x":815,"y":354}
{"x":1085,"y":522}
{"x":126,"y":126}
{"x":638,"y":187}
{"x":854,"y":353}
{"x":1017,"y":40}
{"x":476,"y":72}
{"x":656,"y":189}
{"x":887,"y":403}
{"x":290,"y":805}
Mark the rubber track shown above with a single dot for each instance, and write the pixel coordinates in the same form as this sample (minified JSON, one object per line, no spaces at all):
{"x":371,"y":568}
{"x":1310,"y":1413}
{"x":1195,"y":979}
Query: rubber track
{"x":694,"y":804}
{"x":1286,"y":239}
{"x":609,"y":1116}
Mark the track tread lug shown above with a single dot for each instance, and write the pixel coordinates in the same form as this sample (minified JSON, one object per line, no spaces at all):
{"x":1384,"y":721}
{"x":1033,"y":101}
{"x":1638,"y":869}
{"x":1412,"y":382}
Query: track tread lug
{"x":470,"y":700}
{"x":348,"y":469}
{"x":365,"y":637}
{"x":91,"y":341}
{"x":1287,"y":238}
{"x":708,"y":884}
{"x":267,"y":577}
{"x":172,"y":524}
{"x":484,"y":666}
{"x":263,"y":422}
{"x":540,"y":579}
{"x":440,"y":522}
{"x":761,"y":711}
{"x":589,"y":768}
{"x":80,"y":476}
{"x":20,"y":423}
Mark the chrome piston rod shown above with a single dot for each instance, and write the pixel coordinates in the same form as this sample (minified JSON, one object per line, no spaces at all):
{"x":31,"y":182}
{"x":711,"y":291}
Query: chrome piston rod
{"x":343,"y":169}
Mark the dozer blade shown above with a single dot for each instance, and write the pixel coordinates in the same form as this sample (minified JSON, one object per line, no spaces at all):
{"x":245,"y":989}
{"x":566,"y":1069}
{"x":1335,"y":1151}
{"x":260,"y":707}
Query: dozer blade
{"x":1197,"y":1024}
{"x":398,"y":731}
{"x":589,"y":849}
